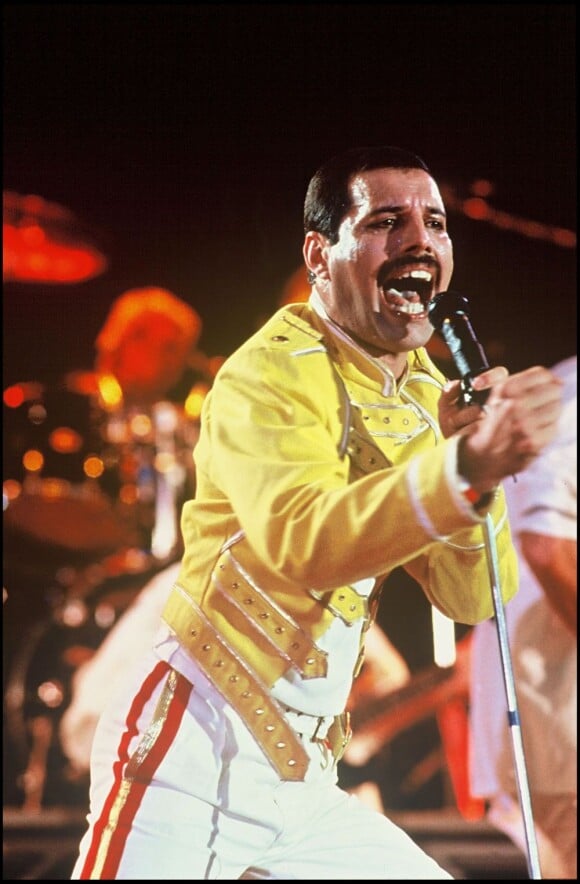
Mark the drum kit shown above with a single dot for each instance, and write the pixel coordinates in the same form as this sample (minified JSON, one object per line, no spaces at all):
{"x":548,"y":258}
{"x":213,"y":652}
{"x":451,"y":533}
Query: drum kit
{"x":91,"y":499}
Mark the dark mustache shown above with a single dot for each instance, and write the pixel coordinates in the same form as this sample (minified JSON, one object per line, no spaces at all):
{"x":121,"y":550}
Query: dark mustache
{"x":390,"y":269}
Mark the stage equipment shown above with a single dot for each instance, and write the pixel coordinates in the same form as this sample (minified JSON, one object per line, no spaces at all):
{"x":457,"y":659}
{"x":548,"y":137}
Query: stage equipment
{"x":43,"y":242}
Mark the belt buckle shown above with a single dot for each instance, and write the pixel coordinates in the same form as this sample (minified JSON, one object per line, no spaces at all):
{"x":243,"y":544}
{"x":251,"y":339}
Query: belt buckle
{"x":339,"y":735}
{"x":315,"y":736}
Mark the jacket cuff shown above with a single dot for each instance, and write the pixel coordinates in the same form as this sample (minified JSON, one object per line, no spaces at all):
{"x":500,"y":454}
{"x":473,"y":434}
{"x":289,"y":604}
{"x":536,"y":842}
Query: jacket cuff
{"x":437,"y":492}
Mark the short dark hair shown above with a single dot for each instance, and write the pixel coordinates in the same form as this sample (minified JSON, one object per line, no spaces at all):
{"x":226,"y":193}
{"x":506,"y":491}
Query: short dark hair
{"x":328,"y":198}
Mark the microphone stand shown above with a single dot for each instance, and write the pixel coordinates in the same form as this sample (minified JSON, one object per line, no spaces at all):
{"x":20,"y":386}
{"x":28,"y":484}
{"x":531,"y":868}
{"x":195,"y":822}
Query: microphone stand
{"x":512,"y":703}
{"x":449,"y":315}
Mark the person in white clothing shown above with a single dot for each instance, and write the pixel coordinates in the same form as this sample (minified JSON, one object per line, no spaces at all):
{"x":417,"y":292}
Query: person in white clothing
{"x":542,"y":635}
{"x":92,"y":682}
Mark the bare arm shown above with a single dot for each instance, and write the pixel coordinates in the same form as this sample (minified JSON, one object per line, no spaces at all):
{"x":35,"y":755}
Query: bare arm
{"x":553,"y":561}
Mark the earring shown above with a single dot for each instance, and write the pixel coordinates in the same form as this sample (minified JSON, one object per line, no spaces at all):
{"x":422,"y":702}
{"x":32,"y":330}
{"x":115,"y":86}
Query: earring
{"x":311,"y":277}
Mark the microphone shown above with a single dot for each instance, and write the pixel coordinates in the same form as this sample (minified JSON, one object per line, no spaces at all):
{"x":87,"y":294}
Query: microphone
{"x":448,"y":314}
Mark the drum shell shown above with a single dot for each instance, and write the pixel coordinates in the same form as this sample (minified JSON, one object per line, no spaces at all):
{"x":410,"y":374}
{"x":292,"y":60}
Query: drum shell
{"x":38,"y":690}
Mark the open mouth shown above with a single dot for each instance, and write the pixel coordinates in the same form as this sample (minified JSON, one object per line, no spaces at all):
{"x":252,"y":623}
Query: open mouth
{"x":410,"y":293}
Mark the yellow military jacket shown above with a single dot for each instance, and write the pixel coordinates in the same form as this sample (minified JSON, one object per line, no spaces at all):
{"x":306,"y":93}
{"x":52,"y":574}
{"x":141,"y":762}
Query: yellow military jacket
{"x":315,"y":470}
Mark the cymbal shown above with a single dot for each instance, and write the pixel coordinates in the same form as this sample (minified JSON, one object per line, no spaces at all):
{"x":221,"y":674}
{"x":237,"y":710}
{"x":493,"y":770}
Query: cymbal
{"x":43,"y":242}
{"x":84,"y":526}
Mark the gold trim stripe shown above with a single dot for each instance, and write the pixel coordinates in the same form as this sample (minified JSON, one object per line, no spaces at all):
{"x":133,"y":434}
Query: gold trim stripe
{"x":125,"y":798}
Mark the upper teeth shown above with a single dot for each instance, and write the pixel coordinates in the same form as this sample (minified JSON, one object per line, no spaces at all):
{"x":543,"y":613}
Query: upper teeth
{"x":417,"y":274}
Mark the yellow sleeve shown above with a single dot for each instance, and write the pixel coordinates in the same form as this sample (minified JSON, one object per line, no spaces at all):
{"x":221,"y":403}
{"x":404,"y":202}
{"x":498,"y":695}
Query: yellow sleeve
{"x":271,"y":447}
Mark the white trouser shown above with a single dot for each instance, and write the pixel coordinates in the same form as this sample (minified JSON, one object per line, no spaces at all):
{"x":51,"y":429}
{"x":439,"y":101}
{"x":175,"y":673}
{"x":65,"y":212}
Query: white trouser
{"x":203,"y":802}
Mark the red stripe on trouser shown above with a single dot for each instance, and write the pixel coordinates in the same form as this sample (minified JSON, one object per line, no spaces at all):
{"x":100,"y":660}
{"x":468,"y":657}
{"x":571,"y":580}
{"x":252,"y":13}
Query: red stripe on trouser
{"x":117,"y":831}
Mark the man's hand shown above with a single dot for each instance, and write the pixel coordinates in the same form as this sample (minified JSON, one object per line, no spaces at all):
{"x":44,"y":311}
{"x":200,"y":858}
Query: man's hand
{"x":519,"y":418}
{"x":453,"y":415}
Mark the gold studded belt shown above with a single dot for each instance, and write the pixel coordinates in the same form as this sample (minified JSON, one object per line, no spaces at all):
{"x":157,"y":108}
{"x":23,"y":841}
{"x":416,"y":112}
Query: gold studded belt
{"x":277,"y":736}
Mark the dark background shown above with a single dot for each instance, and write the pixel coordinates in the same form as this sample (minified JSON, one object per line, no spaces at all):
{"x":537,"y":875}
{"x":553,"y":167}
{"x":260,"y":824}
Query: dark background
{"x":185,"y":135}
